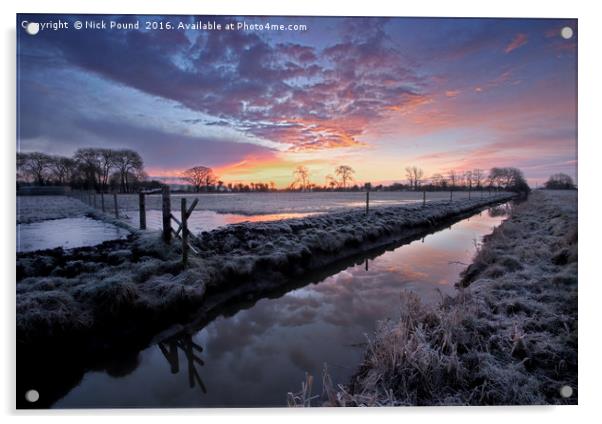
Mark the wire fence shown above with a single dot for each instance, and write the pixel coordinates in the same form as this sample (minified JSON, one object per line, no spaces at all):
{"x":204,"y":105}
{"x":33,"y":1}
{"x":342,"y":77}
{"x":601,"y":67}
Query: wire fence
{"x":144,"y":210}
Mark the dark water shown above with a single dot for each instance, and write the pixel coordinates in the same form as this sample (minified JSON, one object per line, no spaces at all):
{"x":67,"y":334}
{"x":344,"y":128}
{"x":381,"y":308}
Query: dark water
{"x":256,"y":355}
{"x":67,"y":233}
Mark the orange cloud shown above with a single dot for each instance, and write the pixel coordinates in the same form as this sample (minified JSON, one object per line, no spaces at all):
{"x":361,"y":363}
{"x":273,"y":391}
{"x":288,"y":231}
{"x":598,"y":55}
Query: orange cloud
{"x":452,"y":93}
{"x":518,"y":41}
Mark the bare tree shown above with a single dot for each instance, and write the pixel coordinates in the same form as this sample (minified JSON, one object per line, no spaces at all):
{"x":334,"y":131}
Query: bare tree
{"x":199,"y":176}
{"x":345,"y":174}
{"x":34,"y":166}
{"x":88,"y":162}
{"x":62,"y":168}
{"x":127,"y":162}
{"x":478,"y":175}
{"x":301,"y":175}
{"x":106,"y":160}
{"x":452,"y":177}
{"x":22,"y":173}
{"x":414,"y":176}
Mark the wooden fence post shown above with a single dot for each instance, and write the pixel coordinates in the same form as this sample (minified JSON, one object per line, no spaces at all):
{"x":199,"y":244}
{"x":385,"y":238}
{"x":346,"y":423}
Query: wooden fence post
{"x":451,"y":195}
{"x":141,"y":208}
{"x":184,"y":218}
{"x":116,"y":206}
{"x":469,"y":191}
{"x":102,"y":200}
{"x":94,"y":197}
{"x":166,"y":207}
{"x":423,"y":198}
{"x":367,"y":186}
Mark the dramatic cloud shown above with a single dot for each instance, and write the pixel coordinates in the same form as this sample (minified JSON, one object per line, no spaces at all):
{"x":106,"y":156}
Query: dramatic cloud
{"x":373,"y":93}
{"x":301,"y":96}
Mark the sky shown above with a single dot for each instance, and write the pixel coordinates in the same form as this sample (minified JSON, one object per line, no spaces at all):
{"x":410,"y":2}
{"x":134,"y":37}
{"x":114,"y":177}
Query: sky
{"x":377,"y":94}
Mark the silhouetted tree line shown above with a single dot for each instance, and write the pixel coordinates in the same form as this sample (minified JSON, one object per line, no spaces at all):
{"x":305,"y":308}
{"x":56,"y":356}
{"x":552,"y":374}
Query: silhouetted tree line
{"x":88,"y":169}
{"x":508,"y":179}
{"x":123,"y":170}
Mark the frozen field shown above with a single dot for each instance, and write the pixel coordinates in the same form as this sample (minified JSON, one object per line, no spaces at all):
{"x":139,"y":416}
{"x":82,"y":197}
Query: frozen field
{"x":40,"y":218}
{"x":282,"y":203}
{"x":67,"y":233}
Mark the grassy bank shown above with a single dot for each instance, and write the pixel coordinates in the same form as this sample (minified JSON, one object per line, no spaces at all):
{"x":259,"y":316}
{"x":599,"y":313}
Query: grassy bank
{"x":508,"y":337}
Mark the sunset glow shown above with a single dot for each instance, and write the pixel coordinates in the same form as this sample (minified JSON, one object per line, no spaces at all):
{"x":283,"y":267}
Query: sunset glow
{"x":375,"y":94}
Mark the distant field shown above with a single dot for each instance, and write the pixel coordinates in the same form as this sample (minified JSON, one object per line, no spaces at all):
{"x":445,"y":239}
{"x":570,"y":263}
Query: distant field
{"x":40,"y":208}
{"x":277,"y":203}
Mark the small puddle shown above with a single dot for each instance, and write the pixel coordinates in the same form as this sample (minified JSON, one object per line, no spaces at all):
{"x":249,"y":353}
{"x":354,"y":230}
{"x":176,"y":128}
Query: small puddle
{"x":253,"y":357}
{"x":67,"y":233}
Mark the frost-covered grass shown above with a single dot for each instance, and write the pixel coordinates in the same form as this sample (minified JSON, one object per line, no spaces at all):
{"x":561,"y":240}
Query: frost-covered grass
{"x":508,"y":337}
{"x":40,"y":208}
{"x":129,"y":287}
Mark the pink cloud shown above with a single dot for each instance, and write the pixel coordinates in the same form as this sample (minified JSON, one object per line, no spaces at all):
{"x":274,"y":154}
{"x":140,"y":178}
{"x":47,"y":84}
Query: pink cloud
{"x":518,"y":41}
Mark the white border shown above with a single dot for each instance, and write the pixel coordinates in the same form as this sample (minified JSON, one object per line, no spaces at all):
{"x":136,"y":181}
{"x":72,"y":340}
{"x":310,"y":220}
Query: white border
{"x":590,"y":72}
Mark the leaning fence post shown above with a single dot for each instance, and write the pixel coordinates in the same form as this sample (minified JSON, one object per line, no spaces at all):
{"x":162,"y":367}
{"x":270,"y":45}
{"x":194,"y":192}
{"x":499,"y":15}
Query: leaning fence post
{"x":116,"y":206}
{"x":423,"y":198}
{"x":102,"y":200}
{"x":451,"y":195}
{"x":141,"y":208}
{"x":184,"y":232}
{"x":166,"y":207}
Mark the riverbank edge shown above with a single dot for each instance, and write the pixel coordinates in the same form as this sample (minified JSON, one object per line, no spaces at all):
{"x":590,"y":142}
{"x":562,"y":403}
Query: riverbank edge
{"x":88,"y":313}
{"x":509,"y":337}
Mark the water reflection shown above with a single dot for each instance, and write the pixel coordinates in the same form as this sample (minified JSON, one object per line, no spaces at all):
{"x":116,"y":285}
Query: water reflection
{"x":204,"y":220}
{"x":255,"y":353}
{"x":170,"y":349}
